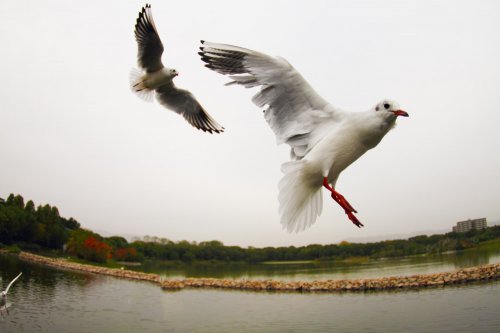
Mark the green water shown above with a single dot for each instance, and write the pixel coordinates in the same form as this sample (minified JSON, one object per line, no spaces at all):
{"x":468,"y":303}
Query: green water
{"x":332,"y":270}
{"x":50,"y":300}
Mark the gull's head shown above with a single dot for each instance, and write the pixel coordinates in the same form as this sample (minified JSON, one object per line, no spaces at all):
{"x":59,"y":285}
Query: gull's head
{"x":390,"y":108}
{"x":173,"y":72}
{"x":169,"y":73}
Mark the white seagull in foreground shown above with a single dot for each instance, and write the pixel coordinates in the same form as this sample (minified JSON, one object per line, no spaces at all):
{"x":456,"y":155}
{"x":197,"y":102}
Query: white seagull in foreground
{"x":324,"y":139}
{"x":3,"y":295}
{"x":157,"y":79}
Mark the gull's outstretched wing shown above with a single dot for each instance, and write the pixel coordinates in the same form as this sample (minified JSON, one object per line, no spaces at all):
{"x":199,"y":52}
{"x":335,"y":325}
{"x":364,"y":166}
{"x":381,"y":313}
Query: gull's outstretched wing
{"x":150,"y":47}
{"x":294,"y":111}
{"x":185,"y":104}
{"x":11,"y":282}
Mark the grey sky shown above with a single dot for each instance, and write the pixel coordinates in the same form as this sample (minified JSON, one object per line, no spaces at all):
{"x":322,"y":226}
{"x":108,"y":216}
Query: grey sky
{"x":72,"y":134}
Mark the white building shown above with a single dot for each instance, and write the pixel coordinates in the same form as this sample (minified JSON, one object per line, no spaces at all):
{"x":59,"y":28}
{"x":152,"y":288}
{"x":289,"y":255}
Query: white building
{"x":464,"y":226}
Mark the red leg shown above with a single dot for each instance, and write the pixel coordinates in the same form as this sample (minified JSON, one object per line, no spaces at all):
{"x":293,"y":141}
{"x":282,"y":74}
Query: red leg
{"x":341,"y":200}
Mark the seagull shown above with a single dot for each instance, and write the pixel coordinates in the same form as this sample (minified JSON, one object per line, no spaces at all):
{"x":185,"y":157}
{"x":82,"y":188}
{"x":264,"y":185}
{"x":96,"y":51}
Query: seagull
{"x":3,"y":295}
{"x":324,"y":139}
{"x":155,"y":79}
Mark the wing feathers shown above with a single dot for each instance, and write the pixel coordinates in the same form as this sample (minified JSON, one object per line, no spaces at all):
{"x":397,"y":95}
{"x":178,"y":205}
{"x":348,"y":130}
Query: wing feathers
{"x":150,"y":47}
{"x":150,"y":50}
{"x":11,"y":282}
{"x":291,"y":103}
{"x":184,"y":103}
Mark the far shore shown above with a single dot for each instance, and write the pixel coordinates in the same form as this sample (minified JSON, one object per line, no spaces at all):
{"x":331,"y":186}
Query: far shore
{"x":479,"y":273}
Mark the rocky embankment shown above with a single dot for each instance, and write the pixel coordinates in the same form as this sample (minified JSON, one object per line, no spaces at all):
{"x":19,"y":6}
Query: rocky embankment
{"x":486,"y":272}
{"x":479,"y":273}
{"x":65,"y":264}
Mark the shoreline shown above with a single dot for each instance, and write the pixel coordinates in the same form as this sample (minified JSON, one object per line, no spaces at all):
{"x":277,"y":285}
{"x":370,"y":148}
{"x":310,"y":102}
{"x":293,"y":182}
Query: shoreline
{"x":487,"y":272}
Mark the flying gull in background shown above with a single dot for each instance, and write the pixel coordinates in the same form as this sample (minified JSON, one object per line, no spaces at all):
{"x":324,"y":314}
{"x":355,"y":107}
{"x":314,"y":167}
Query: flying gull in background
{"x":324,"y":139}
{"x":3,"y":295}
{"x":155,"y":79}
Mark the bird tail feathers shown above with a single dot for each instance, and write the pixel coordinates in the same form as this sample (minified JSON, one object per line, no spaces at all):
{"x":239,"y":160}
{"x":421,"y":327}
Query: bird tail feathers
{"x":301,"y":201}
{"x":137,"y":85}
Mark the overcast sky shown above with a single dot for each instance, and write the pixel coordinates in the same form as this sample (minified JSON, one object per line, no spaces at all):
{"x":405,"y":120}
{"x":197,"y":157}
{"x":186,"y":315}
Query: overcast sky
{"x":73,"y":135}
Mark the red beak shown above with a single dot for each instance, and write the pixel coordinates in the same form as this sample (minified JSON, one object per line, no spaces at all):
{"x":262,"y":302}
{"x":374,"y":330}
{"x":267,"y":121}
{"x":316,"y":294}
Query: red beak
{"x":401,"y":113}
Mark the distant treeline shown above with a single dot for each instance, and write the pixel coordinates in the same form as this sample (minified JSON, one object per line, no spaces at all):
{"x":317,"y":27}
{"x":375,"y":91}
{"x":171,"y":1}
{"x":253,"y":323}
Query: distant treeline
{"x":23,"y":224}
{"x":215,"y":250}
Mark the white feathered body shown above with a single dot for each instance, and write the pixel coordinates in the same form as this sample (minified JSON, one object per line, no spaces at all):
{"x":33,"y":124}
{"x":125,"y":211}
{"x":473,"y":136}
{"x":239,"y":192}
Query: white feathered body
{"x":324,"y":140}
{"x":300,"y":188}
{"x":3,"y":299}
{"x":144,"y":83}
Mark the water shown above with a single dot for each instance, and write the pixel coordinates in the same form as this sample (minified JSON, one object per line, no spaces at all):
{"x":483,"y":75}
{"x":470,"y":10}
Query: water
{"x":333,"y":270}
{"x":49,"y":300}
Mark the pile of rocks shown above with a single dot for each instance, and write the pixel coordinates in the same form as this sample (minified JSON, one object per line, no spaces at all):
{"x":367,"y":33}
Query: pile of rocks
{"x":64,"y":264}
{"x":486,"y":272}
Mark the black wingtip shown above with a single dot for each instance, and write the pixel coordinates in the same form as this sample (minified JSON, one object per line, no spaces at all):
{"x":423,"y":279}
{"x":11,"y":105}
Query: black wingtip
{"x":204,"y":58}
{"x":211,"y":130}
{"x":202,"y":41}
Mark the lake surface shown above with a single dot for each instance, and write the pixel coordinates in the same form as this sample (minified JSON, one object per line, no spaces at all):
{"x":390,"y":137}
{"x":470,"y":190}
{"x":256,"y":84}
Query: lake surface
{"x":49,"y":300}
{"x":333,"y":270}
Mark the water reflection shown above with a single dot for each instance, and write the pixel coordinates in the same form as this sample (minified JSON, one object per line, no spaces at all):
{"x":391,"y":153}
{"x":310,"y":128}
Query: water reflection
{"x":50,"y":300}
{"x":40,"y":281}
{"x":331,"y":270}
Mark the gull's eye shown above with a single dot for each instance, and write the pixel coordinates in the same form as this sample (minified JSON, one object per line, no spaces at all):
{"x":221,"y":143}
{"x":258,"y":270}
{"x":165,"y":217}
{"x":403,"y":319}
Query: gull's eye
{"x":387,"y":106}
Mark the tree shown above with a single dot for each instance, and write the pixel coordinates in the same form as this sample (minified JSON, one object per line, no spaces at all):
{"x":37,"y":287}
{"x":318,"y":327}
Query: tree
{"x":30,"y":207}
{"x":15,"y":200}
{"x":116,"y":241}
{"x":88,"y":245}
{"x":95,"y":250}
{"x":125,"y":254}
{"x":71,"y":224}
{"x":22,"y":223}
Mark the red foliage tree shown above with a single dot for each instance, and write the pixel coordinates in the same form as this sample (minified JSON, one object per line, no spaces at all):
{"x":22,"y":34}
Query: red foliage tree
{"x":125,"y":254}
{"x":95,"y":250}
